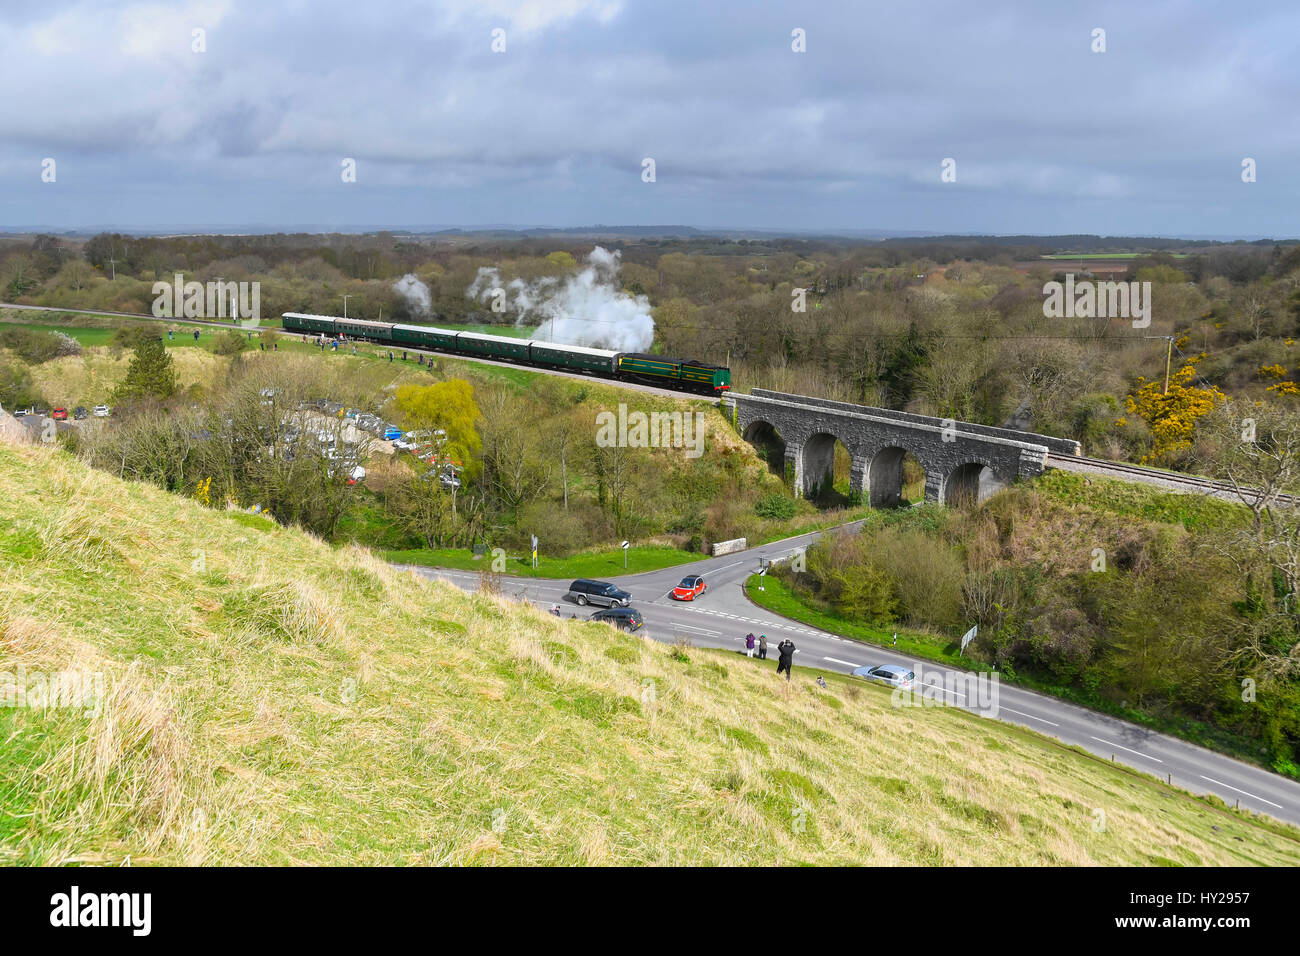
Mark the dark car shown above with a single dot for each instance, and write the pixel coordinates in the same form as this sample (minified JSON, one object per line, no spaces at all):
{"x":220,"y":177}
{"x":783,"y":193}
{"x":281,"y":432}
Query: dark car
{"x":624,"y":618}
{"x":79,"y":413}
{"x":585,"y":591}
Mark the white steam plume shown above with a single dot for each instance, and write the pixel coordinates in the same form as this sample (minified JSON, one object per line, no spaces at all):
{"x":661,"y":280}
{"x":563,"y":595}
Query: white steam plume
{"x":416,"y":294}
{"x":587,"y":308}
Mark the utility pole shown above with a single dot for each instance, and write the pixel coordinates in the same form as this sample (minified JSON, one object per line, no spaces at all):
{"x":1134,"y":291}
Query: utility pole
{"x":1169,"y":357}
{"x":112,"y":265}
{"x":345,"y":305}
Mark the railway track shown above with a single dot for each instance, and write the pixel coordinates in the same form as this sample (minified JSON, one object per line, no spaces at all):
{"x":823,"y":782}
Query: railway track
{"x":1171,"y":480}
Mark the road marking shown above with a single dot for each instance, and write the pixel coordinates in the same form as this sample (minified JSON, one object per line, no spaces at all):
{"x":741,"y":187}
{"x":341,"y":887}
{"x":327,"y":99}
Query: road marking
{"x":702,"y":630}
{"x":1243,"y":792}
{"x":836,"y":660}
{"x":1111,"y":743}
{"x":1030,"y":716}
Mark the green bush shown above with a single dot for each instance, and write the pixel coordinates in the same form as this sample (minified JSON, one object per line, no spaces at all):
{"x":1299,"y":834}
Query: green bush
{"x":16,"y":388}
{"x":31,"y":345}
{"x":927,"y":574}
{"x":229,"y":343}
{"x":775,"y":506}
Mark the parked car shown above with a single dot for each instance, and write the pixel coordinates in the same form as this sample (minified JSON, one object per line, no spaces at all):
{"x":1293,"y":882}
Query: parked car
{"x":60,"y":414}
{"x":585,"y":591}
{"x":392,"y":432}
{"x":891,"y":674}
{"x":691,"y":587}
{"x":79,"y":413}
{"x":101,"y":411}
{"x":624,"y":618}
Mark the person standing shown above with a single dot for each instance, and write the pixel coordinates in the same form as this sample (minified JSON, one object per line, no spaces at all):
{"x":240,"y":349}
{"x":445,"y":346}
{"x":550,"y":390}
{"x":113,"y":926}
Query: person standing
{"x":749,"y":644}
{"x":786,"y":651}
{"x":762,"y":647}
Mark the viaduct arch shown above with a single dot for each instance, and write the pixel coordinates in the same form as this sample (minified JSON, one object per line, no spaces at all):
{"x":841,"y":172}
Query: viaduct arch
{"x":963,"y":462}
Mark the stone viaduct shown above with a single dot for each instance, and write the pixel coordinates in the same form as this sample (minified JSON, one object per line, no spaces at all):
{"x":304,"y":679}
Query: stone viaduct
{"x":962,"y":461}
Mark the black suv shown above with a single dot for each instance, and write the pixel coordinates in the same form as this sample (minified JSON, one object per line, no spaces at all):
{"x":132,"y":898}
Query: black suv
{"x":624,"y":618}
{"x":587,"y":592}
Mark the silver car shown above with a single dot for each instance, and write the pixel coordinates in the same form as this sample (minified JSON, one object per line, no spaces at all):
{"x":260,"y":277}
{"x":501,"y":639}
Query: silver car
{"x":891,"y":674}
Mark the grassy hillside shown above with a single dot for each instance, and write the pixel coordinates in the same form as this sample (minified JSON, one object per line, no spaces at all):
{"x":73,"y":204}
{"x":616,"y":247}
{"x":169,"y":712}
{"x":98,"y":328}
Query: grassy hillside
{"x":272,"y":700}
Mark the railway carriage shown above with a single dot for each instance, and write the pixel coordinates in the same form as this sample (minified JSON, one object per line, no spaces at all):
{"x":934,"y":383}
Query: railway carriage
{"x":424,"y":336}
{"x":363,"y":329}
{"x":492,"y":346}
{"x":301,"y":322}
{"x":576,"y":358}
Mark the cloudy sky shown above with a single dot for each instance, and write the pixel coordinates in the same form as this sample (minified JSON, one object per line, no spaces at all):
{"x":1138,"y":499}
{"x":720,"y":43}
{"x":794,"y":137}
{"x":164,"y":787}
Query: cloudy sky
{"x":1047,"y":136}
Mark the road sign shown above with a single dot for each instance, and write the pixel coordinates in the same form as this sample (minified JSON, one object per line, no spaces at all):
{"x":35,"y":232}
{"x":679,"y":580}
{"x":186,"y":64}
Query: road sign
{"x":625,"y":547}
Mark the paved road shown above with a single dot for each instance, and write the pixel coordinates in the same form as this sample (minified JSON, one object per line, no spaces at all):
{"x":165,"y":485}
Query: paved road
{"x":723,"y":615}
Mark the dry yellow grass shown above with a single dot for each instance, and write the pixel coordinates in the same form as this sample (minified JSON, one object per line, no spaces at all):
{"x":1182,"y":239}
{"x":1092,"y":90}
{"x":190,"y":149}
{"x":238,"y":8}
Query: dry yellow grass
{"x":89,"y":378}
{"x":270,"y":699}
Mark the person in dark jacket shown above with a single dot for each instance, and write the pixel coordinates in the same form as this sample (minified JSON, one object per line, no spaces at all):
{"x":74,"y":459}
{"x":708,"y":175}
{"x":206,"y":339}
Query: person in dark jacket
{"x":762,"y":647}
{"x":786,"y":651}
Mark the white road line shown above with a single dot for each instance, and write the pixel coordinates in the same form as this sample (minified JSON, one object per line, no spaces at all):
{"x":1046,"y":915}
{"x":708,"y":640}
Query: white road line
{"x":702,"y":630}
{"x":1243,"y":792}
{"x":1030,"y":716}
{"x":1111,"y":743}
{"x":836,"y":660}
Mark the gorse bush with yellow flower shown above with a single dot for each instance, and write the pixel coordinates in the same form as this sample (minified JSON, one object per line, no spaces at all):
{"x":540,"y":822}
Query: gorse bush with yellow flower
{"x":203,"y":491}
{"x":1171,"y":416}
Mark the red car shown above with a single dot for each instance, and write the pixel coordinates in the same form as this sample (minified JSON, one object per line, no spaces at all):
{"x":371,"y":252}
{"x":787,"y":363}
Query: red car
{"x":689,"y":589}
{"x":60,"y":414}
